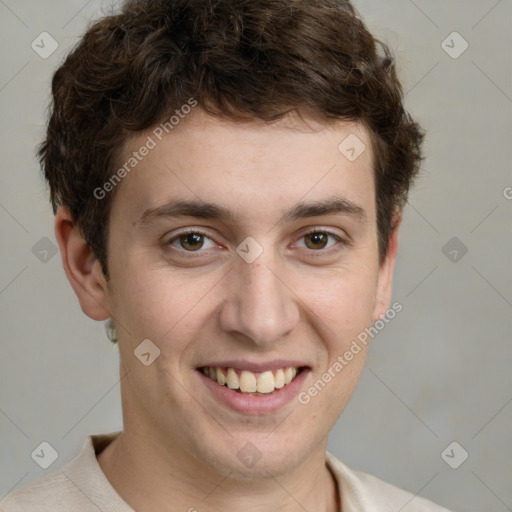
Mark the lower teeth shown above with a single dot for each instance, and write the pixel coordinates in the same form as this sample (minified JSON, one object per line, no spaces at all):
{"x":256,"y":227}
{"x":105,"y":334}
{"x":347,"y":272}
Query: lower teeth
{"x":253,"y":393}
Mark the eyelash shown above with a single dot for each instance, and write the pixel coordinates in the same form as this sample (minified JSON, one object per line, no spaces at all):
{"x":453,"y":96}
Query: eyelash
{"x":318,"y":252}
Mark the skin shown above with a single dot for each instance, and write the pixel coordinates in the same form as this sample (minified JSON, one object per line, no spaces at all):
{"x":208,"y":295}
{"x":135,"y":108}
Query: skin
{"x":297,"y":300}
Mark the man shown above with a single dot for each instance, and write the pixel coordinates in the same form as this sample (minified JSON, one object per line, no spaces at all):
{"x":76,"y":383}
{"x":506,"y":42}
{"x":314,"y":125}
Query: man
{"x":228,"y":179}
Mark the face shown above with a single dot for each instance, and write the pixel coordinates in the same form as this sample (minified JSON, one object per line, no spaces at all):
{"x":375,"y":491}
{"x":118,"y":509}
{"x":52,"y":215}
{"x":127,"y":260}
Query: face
{"x":246,"y":253}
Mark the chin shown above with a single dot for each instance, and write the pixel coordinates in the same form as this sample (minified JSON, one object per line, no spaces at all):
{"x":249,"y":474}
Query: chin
{"x":246,"y":456}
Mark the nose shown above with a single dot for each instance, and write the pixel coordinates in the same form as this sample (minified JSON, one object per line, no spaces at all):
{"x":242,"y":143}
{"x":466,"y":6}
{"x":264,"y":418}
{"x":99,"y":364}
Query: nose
{"x":259,"y":303}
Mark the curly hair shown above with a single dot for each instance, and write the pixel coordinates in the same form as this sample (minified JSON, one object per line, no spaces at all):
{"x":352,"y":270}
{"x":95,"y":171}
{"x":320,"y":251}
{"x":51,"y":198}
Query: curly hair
{"x":239,"y":59}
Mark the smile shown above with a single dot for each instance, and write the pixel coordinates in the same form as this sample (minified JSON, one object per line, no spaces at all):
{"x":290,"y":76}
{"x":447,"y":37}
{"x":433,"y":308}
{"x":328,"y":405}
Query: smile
{"x":247,"y":382}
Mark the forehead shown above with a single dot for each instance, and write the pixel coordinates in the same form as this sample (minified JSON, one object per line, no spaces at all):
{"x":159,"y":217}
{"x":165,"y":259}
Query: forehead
{"x":252,"y":168}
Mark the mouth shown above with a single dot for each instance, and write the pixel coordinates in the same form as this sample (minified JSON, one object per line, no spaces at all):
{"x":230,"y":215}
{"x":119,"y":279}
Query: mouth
{"x":246,"y":382}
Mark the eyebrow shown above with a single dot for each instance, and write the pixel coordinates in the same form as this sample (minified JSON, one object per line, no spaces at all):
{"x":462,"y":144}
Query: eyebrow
{"x":204,"y":210}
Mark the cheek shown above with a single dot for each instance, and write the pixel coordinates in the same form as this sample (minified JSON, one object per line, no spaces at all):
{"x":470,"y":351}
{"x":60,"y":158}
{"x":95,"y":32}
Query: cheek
{"x":341,"y":310}
{"x":342,"y":302}
{"x":161,"y":303}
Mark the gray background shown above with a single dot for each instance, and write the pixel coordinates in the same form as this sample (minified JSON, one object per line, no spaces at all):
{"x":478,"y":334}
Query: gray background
{"x":440,"y":372}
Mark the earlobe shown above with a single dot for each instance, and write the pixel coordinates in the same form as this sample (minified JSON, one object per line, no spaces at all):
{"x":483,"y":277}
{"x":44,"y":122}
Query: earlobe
{"x":81,"y":266}
{"x":385,"y":278}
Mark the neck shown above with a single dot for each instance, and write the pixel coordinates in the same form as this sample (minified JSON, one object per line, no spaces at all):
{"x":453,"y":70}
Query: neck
{"x":149,"y":477}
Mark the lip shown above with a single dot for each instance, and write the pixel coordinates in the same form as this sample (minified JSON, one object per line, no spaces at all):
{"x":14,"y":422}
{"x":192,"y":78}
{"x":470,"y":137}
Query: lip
{"x":255,"y":404}
{"x":256,"y":367}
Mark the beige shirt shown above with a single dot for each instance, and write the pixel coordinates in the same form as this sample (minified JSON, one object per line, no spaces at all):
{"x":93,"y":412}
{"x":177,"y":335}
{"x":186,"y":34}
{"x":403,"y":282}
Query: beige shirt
{"x":81,"y":486}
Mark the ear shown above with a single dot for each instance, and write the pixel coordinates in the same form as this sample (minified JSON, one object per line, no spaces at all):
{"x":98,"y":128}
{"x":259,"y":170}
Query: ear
{"x":385,"y":278}
{"x":82,"y":268}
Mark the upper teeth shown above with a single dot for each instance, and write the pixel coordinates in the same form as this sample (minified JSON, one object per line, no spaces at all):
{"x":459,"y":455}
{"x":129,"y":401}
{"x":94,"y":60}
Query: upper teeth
{"x":249,"y":382}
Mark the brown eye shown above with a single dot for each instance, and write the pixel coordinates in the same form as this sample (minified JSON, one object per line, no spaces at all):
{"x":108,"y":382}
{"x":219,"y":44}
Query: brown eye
{"x":191,"y":241}
{"x":317,"y":240}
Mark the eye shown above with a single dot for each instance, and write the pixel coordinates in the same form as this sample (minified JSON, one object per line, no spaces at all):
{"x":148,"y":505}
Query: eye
{"x":192,"y":241}
{"x":196,"y":241}
{"x":319,"y":240}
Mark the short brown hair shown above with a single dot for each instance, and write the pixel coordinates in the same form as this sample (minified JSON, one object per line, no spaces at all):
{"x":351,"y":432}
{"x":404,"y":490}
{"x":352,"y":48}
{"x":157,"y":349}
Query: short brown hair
{"x":242,"y":60}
